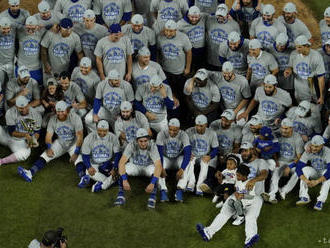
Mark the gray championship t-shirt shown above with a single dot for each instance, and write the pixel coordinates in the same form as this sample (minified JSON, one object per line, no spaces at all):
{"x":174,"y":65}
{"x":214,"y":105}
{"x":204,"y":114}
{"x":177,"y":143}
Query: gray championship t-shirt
{"x":142,"y":157}
{"x":169,"y":9}
{"x":73,"y":9}
{"x":143,"y":75}
{"x":173,"y":146}
{"x":318,"y":161}
{"x":325,"y":31}
{"x":14,"y":87}
{"x":256,"y":166}
{"x":7,"y":48}
{"x":290,"y":147}
{"x":17,"y":22}
{"x":73,"y":93}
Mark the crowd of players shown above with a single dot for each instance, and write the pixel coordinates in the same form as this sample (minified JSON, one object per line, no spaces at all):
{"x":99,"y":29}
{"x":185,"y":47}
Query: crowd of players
{"x":116,"y":91}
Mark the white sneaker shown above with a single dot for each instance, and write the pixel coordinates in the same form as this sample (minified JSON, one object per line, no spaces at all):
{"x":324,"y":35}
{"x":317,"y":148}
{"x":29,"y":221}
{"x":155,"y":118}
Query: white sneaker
{"x":215,"y":199}
{"x":282,"y":194}
{"x":239,"y":220}
{"x":219,"y":205}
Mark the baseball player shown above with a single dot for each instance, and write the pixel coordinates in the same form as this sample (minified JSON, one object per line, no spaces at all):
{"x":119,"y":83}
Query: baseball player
{"x":26,"y":86}
{"x":114,"y":52}
{"x":204,"y":149}
{"x":318,"y":172}
{"x":272,"y":101}
{"x":15,"y":13}
{"x":175,"y":152}
{"x":251,"y":129}
{"x":98,"y":149}
{"x":154,"y":99}
{"x":325,"y":26}
{"x":260,"y":64}
{"x":266,"y":27}
{"x":90,"y":33}
{"x":23,"y":130}
{"x":144,"y":69}
{"x":234,"y":89}
{"x":193,"y":25}
{"x":218,"y":27}
{"x":73,"y":9}
{"x":28,"y":54}
{"x":256,"y":178}
{"x":69,"y":130}
{"x":128,"y":122}
{"x":110,"y":93}
{"x":294,"y":26}
{"x":140,"y":35}
{"x":109,"y":12}
{"x":235,"y":51}
{"x":307,"y":66}
{"x":140,"y":158}
{"x":291,"y":149}
{"x":164,"y":10}
{"x":87,"y":79}
{"x":202,"y":95}
{"x":56,"y":49}
{"x":73,"y":95}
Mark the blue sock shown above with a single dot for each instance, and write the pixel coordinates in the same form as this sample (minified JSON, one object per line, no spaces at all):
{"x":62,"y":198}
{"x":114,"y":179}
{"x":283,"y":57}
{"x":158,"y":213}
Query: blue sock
{"x":81,"y":169}
{"x":121,"y":190}
{"x":154,"y":192}
{"x":38,"y":165}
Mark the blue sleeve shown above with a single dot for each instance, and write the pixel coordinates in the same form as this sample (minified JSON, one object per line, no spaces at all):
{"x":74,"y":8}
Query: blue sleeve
{"x":117,"y":158}
{"x":96,"y":105}
{"x":87,"y":160}
{"x":233,"y":14}
{"x":276,"y":147}
{"x":11,"y":129}
{"x":169,"y":103}
{"x":299,"y":166}
{"x":166,"y":82}
{"x":139,"y":106}
{"x":327,"y":173}
{"x":186,"y":157}
{"x":255,"y":14}
{"x":127,"y":16}
{"x":191,"y":3}
{"x":160,"y":150}
{"x":99,"y":19}
{"x":214,"y":152}
{"x":38,"y":131}
{"x":153,"y":52}
{"x":292,"y":165}
{"x":222,"y":60}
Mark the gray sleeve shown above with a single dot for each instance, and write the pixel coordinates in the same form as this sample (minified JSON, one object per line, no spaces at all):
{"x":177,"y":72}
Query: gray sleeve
{"x":326,"y":133}
{"x":86,"y":146}
{"x":169,"y":92}
{"x":299,"y":145}
{"x":129,"y":49}
{"x":10,"y":120}
{"x":129,"y":92}
{"x":129,"y":150}
{"x":185,"y":139}
{"x":98,"y":51}
{"x":98,"y":93}
{"x":246,"y":90}
{"x":97,"y":7}
{"x":154,"y":154}
{"x":272,"y":65}
{"x":142,"y":119}
{"x":51,"y":125}
{"x":186,"y":85}
{"x":160,"y":139}
{"x":46,"y":40}
{"x":238,"y":135}
{"x":78,"y":93}
{"x":318,"y":65}
{"x":160,"y":72}
{"x":215,"y":93}
{"x":118,"y":127}
{"x":154,"y":6}
{"x":10,"y":92}
{"x":115,"y":143}
{"x":138,"y":94}
{"x":127,"y":6}
{"x":77,"y":44}
{"x":257,"y":94}
{"x":186,"y":43}
{"x":214,"y":140}
{"x":304,"y":158}
{"x":151,"y":37}
{"x":78,"y":126}
{"x":252,"y":31}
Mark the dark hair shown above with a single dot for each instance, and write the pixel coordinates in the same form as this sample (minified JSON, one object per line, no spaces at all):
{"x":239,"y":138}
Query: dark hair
{"x":243,"y":169}
{"x":233,"y":157}
{"x":49,"y":238}
{"x":64,"y":75}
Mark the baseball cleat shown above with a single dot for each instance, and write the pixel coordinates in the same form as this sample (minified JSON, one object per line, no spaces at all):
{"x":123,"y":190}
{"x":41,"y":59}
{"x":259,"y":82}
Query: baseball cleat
{"x":179,"y":195}
{"x":190,"y":188}
{"x":219,"y":205}
{"x":84,"y":181}
{"x":120,"y":201}
{"x":265,"y":196}
{"x":25,"y":174}
{"x":199,"y":193}
{"x":282,"y":194}
{"x":239,"y":220}
{"x":163,"y":196}
{"x":303,"y":201}
{"x":151,"y":203}
{"x":205,"y":188}
{"x":273,"y":201}
{"x":318,"y":206}
{"x":203,"y":232}
{"x":97,"y":187}
{"x":252,"y":241}
{"x":215,"y":199}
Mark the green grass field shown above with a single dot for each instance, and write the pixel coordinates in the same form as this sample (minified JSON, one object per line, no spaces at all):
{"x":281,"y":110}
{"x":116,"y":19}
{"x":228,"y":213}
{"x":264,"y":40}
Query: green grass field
{"x":90,"y":220}
{"x":318,"y":7}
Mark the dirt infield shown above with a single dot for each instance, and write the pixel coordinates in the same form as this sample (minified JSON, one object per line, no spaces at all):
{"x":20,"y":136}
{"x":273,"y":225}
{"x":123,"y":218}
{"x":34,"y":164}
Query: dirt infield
{"x":304,"y":13}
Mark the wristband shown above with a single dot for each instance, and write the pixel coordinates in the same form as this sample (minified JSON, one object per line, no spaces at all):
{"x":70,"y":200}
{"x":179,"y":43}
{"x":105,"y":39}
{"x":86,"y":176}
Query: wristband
{"x":49,"y":145}
{"x":154,"y":180}
{"x":124,"y":177}
{"x":77,"y":150}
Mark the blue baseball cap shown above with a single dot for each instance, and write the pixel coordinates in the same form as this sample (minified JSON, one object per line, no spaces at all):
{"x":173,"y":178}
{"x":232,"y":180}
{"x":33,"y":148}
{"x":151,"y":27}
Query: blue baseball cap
{"x":266,"y":132}
{"x":66,"y":23}
{"x":115,"y":28}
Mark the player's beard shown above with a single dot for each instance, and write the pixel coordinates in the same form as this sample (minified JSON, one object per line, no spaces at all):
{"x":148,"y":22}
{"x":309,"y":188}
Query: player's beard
{"x":125,"y":118}
{"x":248,"y":159}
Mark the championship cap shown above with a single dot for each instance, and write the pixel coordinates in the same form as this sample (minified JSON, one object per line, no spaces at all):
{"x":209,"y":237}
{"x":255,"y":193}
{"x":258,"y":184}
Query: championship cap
{"x":286,"y":122}
{"x":254,"y":44}
{"x":103,"y":124}
{"x":282,"y":39}
{"x":61,"y":106}
{"x":229,"y":114}
{"x":327,"y":12}
{"x":234,"y":36}
{"x":125,"y":106}
{"x":270,"y":79}
{"x":194,"y":10}
{"x":327,"y":42}
{"x":137,"y":19}
{"x":21,"y":101}
{"x":13,"y":2}
{"x":155,"y":81}
{"x":141,"y":133}
{"x":174,"y":122}
{"x":201,"y":74}
{"x":31,"y":20}
{"x":114,"y":75}
{"x":301,"y":40}
{"x":227,"y":67}
{"x":201,"y":120}
{"x":115,"y":28}
{"x":290,"y":8}
{"x":303,"y":108}
{"x":317,"y":140}
{"x":85,"y":62}
{"x":5,"y":22}
{"x":246,"y":145}
{"x":144,"y":51}
{"x":89,"y":14}
{"x":222,"y":10}
{"x":66,"y":23}
{"x":43,"y":7}
{"x":268,"y":9}
{"x":51,"y":81}
{"x":255,"y":120}
{"x":266,"y":132}
{"x":172,"y":25}
{"x":23,"y":72}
